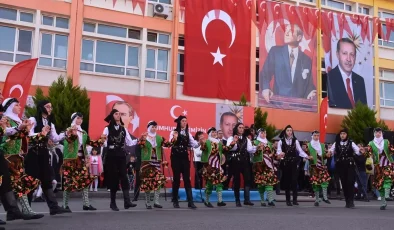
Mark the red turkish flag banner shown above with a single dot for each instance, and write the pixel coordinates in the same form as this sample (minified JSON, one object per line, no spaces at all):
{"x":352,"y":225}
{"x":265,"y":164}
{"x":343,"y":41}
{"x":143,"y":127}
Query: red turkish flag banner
{"x":217,"y":49}
{"x":323,"y":119}
{"x":18,"y":81}
{"x":141,"y":3}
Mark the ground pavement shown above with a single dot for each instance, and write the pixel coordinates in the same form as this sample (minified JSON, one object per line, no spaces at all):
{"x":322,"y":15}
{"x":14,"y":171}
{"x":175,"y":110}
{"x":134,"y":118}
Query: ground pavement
{"x":331,"y":217}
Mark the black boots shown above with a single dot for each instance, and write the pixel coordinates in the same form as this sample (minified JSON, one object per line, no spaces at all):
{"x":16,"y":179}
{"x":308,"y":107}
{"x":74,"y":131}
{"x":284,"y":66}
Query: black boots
{"x":126,"y":198}
{"x":237,"y":200}
{"x":54,"y":208}
{"x":11,"y":206}
{"x":190,"y":198}
{"x":288,"y":202}
{"x":295,"y":195}
{"x":113,"y":205}
{"x":247,"y":197}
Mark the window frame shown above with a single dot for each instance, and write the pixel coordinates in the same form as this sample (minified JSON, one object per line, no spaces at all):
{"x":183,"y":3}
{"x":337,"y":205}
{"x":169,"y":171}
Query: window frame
{"x":383,"y":43}
{"x":345,"y":4}
{"x":158,"y":1}
{"x":156,"y":63}
{"x":179,"y":74}
{"x":16,"y":52}
{"x":54,"y":21}
{"x":157,"y":38}
{"x":125,"y":66}
{"x":382,"y":82}
{"x":52,"y":56}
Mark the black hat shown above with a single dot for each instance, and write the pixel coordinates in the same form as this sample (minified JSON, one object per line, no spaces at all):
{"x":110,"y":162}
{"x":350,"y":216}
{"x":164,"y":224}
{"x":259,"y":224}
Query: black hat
{"x":377,"y":129}
{"x":153,"y":123}
{"x":261,"y":130}
{"x":211,"y":129}
{"x":9,"y":102}
{"x":283,"y":133}
{"x":110,"y":117}
{"x":179,"y":119}
{"x":77,"y":114}
{"x":315,"y":132}
{"x":40,"y":107}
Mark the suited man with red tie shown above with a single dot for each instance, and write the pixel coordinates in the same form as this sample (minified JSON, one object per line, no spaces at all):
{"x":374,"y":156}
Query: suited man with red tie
{"x":345,"y":87}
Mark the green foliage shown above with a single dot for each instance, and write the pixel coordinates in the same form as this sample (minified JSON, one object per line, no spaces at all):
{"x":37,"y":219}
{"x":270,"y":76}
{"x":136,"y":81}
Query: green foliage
{"x":360,"y":118}
{"x":260,"y":121}
{"x":242,"y":102}
{"x":65,"y":99}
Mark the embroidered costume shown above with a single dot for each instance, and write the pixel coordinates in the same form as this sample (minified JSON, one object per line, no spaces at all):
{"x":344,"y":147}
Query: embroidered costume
{"x":241,"y":149}
{"x":264,"y":169}
{"x":152,"y":178}
{"x":344,"y":150}
{"x":115,"y":160}
{"x":75,"y":169}
{"x":13,"y":147}
{"x":290,"y":149}
{"x":382,"y":154}
{"x":320,"y":177}
{"x":213,"y":157}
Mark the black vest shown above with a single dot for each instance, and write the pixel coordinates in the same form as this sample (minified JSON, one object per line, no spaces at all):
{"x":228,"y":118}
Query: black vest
{"x":289,"y":150}
{"x":40,"y":125}
{"x":116,"y":141}
{"x":344,"y":151}
{"x":179,"y":149}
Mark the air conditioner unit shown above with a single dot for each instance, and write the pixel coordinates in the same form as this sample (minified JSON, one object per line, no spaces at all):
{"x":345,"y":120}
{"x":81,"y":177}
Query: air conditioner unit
{"x":161,"y":10}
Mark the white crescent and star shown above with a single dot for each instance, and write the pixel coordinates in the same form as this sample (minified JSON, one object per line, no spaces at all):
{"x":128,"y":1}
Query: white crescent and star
{"x":325,"y":120}
{"x":172,"y":110}
{"x":224,"y":17}
{"x":17,"y":87}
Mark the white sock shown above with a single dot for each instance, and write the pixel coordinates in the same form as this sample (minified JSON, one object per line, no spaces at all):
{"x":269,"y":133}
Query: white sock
{"x":95,"y":183}
{"x":39,"y":191}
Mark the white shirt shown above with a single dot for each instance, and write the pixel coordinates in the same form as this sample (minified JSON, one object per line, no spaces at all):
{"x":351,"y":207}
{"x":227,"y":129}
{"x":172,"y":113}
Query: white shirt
{"x":293,"y":67}
{"x":355,"y":148}
{"x":192,"y":143}
{"x":128,"y":140}
{"x":197,"y":154}
{"x":52,"y":135}
{"x":249,"y":146}
{"x":298,"y":147}
{"x":344,"y":77}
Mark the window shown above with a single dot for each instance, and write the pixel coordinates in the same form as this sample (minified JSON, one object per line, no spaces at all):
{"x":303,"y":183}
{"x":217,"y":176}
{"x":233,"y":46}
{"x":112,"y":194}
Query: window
{"x":386,"y":87}
{"x":16,"y":15}
{"x":390,"y":42}
{"x":156,"y":64}
{"x":15,"y":44}
{"x":324,"y":84}
{"x":181,"y":64}
{"x":58,"y":22}
{"x":54,"y":48}
{"x":363,"y":10}
{"x":161,"y":1}
{"x":337,"y":4}
{"x":115,"y":31}
{"x":382,"y":14}
{"x":257,"y":76}
{"x":159,"y":38}
{"x":110,"y":57}
{"x":181,"y":41}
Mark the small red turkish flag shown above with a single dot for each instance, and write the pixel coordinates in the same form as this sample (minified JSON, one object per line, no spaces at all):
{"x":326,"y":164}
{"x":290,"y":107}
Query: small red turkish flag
{"x":323,"y":119}
{"x":217,"y":49}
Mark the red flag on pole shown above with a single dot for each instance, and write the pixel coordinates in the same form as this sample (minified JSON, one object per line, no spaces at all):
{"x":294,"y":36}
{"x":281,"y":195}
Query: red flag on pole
{"x":18,"y":81}
{"x":323,"y":119}
{"x":217,"y":49}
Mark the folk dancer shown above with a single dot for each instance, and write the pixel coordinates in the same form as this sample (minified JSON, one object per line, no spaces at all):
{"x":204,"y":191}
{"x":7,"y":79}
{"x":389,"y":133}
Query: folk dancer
{"x":241,"y":149}
{"x":382,"y":154}
{"x":288,"y":147}
{"x":37,"y":160}
{"x":180,"y":162}
{"x":320,"y":177}
{"x":6,"y":194}
{"x":14,"y":147}
{"x":263,"y":167}
{"x":152,"y":178}
{"x":344,"y":150}
{"x":213,"y":157}
{"x":76,"y":162}
{"x":115,"y":162}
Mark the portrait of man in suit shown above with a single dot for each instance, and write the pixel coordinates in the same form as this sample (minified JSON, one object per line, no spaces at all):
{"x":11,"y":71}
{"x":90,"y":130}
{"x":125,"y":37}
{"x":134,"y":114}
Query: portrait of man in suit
{"x":345,"y":87}
{"x":290,"y":68}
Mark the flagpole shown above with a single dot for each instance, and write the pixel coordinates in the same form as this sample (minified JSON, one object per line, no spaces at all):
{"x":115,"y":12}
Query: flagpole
{"x":376,"y":64}
{"x":318,"y":62}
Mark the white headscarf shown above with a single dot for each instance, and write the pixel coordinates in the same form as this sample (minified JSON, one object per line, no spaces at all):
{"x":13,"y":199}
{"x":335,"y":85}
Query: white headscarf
{"x":379,"y":142}
{"x":212,"y":139}
{"x":151,"y":135}
{"x":73,"y":123}
{"x":316,"y":145}
{"x":265,"y":141}
{"x":9,"y":113}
